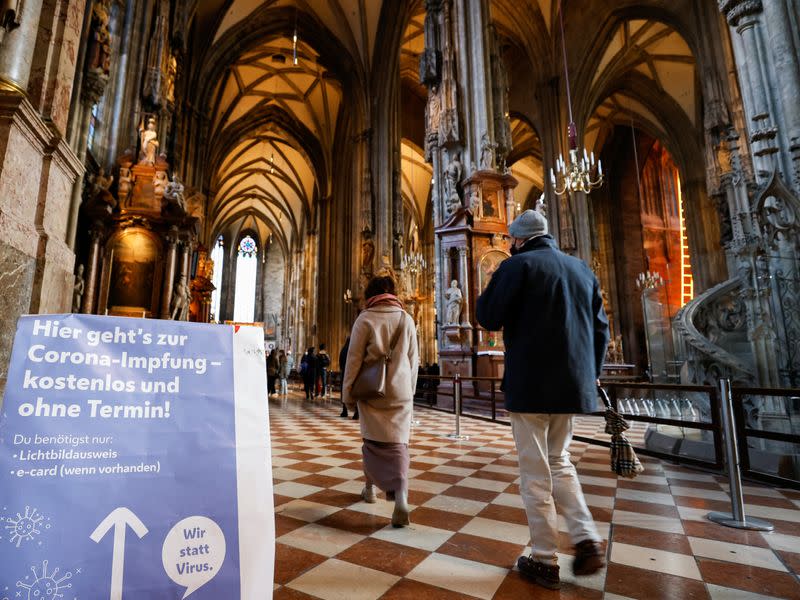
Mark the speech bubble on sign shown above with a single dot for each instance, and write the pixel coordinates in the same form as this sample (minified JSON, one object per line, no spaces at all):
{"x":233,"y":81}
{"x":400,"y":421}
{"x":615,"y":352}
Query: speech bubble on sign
{"x":193,"y":552}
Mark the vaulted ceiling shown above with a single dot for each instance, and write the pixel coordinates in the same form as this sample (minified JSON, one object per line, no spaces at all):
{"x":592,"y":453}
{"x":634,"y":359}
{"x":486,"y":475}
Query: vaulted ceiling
{"x":267,"y":171}
{"x":648,"y":67}
{"x":274,"y":172}
{"x":416,"y":177}
{"x":353,"y":22}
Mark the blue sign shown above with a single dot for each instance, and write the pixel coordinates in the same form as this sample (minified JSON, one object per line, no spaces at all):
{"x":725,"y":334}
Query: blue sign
{"x":122,"y":442}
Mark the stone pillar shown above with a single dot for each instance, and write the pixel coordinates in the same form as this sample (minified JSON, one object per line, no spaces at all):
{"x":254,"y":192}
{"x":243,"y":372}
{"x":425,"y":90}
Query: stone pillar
{"x":227,"y":295}
{"x":169,"y":274}
{"x":786,"y":59}
{"x":93,"y":87}
{"x":16,"y":49}
{"x":52,"y":71}
{"x":274,"y":280}
{"x":93,"y":271}
{"x":744,"y":18}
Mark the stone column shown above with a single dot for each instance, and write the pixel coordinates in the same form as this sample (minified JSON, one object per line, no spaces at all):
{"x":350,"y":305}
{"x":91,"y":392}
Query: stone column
{"x":744,"y":18}
{"x":16,"y":49}
{"x":169,"y":273}
{"x":92,"y":272}
{"x":93,"y":88}
{"x":786,"y":59}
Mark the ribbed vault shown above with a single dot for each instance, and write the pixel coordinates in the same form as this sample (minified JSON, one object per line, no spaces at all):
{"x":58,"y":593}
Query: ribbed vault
{"x":353,"y":22}
{"x":277,"y":121}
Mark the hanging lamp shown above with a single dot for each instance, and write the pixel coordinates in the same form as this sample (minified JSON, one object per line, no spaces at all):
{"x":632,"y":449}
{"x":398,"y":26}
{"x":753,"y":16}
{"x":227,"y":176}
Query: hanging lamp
{"x":582,"y":173}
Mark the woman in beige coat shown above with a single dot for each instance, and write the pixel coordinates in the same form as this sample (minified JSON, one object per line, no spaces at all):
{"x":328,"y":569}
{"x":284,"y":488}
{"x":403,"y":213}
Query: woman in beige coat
{"x":385,"y":422}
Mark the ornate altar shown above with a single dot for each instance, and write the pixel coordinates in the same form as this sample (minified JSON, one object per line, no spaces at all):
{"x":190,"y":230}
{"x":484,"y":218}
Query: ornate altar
{"x":473,"y":242}
{"x":142,"y":240}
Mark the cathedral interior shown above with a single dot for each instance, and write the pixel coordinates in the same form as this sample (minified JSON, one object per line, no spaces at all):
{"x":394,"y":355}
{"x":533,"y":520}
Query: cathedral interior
{"x":258,"y":161}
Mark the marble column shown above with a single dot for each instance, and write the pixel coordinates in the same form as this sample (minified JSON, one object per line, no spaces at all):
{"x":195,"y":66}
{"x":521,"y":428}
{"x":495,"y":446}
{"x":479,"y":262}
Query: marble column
{"x":16,"y":49}
{"x":92,"y":272}
{"x":169,"y":274}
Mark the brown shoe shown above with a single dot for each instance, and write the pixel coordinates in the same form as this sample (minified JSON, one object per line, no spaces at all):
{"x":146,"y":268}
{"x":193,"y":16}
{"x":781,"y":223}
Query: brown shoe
{"x":589,"y":558}
{"x":540,"y":573}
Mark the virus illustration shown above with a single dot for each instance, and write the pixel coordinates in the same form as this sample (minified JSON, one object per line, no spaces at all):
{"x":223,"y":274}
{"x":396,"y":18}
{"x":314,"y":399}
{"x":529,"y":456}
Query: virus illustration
{"x":24,"y":528}
{"x":46,"y":587}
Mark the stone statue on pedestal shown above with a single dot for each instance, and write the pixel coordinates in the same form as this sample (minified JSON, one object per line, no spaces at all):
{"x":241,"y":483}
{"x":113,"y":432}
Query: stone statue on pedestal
{"x":149,"y":140}
{"x":180,"y":301}
{"x":99,"y":46}
{"x":454,"y":299}
{"x":77,"y":290}
{"x":453,"y":174}
{"x":487,"y":153}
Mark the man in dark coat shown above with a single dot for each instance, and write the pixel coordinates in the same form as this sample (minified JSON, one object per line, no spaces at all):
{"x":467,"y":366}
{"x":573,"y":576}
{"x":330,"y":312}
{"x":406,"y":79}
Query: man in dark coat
{"x":556,"y":333}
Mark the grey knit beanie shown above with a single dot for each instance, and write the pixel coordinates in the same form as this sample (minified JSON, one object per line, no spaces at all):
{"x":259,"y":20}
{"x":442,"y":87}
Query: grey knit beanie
{"x":527,"y":225}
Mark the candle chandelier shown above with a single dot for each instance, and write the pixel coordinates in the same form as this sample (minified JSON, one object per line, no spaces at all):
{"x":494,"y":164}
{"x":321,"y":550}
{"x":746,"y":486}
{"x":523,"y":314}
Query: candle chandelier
{"x":649,"y":280}
{"x":413,"y":263}
{"x":582,"y":173}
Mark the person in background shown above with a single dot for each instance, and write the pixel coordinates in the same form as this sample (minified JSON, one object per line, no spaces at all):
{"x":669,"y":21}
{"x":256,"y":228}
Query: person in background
{"x":385,"y":421}
{"x":323,"y":362}
{"x":342,"y":365}
{"x":283,"y":372}
{"x":308,"y":370}
{"x":433,"y":384}
{"x":549,"y":306}
{"x":272,"y":371}
{"x":289,"y":363}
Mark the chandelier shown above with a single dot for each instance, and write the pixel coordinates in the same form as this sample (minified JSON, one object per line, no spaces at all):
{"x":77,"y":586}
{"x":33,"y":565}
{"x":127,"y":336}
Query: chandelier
{"x":649,"y":280}
{"x":413,"y":263}
{"x":581,"y":173}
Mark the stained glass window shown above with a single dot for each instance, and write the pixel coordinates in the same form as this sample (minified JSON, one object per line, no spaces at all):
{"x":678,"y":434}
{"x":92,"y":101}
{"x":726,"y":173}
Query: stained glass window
{"x":247,"y":247}
{"x":92,"y":127}
{"x":244,"y":304}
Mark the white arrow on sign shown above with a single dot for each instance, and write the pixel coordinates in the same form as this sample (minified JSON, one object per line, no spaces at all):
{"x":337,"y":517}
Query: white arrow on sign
{"x":120,"y":519}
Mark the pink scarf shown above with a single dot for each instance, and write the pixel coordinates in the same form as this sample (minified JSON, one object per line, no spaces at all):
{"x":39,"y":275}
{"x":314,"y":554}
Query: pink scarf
{"x":384,"y":300}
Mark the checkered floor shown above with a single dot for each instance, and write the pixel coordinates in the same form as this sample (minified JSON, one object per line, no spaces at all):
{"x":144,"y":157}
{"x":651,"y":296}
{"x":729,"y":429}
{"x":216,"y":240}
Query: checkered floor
{"x":468,"y":524}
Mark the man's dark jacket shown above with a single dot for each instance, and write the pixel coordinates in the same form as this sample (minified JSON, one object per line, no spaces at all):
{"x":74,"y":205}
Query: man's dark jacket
{"x":554,"y":327}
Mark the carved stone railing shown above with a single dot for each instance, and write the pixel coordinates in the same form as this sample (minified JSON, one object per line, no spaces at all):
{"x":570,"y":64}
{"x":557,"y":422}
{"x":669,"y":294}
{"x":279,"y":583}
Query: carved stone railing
{"x":713,"y":335}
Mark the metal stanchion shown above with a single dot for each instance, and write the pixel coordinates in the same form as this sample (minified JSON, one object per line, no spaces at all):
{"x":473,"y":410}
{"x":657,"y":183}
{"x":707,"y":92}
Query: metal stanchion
{"x":457,"y":398}
{"x":736,"y":518}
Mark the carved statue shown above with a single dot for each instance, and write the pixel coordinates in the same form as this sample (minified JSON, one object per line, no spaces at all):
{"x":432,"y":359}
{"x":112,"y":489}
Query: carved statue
{"x":614,"y":353}
{"x":540,"y":206}
{"x":779,"y":216}
{"x":173,"y":193}
{"x":434,"y":109}
{"x":160,"y":182}
{"x":452,"y":204}
{"x":77,"y":290}
{"x":487,"y":153}
{"x":180,"y":301}
{"x":475,"y":202}
{"x":100,"y":182}
{"x":453,"y":174}
{"x":367,"y":254}
{"x":454,"y":299}
{"x":148,"y":137}
{"x":125,"y":184}
{"x":172,"y":75}
{"x":99,"y":50}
